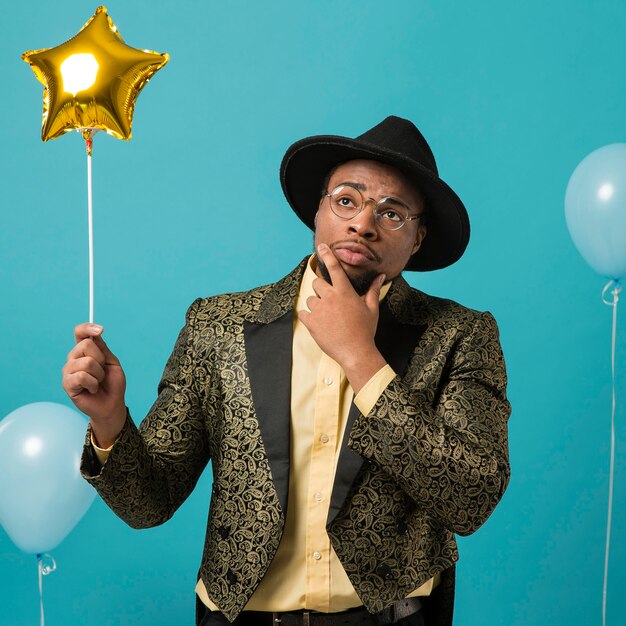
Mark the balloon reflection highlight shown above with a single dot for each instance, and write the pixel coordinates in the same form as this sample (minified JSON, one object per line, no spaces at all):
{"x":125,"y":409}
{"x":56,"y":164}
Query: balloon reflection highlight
{"x":605,"y":192}
{"x":33,"y":446}
{"x":79,"y":72}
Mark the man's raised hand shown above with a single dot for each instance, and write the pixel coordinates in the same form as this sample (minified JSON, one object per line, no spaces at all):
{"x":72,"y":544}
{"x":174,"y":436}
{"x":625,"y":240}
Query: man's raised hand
{"x":343,"y":323}
{"x":95,"y":382}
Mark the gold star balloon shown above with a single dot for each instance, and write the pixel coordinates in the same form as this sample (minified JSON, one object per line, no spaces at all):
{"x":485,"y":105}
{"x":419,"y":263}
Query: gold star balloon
{"x":92,"y":80}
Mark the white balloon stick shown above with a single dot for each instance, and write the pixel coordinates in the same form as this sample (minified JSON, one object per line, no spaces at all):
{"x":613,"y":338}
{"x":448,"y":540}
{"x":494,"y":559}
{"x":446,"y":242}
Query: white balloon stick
{"x":88,"y":143}
{"x":615,"y":293}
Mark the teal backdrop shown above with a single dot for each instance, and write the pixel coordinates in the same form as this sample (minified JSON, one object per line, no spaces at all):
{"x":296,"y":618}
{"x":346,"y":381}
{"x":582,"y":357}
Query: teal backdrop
{"x":511,"y":95}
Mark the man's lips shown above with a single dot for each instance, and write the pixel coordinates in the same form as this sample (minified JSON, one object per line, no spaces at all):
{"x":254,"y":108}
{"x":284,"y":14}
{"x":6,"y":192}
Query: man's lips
{"x":354,"y":253}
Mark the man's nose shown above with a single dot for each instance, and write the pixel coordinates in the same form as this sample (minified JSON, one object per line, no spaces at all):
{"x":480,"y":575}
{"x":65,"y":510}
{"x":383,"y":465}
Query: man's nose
{"x":364,"y":222}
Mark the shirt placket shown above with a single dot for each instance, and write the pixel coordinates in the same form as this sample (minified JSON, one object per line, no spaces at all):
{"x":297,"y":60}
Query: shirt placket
{"x":323,"y":450}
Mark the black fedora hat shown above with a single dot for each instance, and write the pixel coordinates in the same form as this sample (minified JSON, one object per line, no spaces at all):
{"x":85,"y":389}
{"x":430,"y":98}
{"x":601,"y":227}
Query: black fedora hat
{"x":397,"y":142}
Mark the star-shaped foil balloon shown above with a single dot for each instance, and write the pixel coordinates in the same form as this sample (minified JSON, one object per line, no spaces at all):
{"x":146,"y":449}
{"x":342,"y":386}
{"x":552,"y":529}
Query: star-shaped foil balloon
{"x":92,"y":80}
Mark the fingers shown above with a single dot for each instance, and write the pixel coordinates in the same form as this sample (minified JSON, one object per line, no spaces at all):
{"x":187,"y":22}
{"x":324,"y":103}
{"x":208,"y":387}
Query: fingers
{"x":337,"y":274}
{"x":75,"y":383}
{"x":312,"y":302}
{"x":304,"y":316}
{"x":89,"y":342}
{"x":373,"y":293}
{"x":85,"y":368}
{"x":321,"y":287}
{"x":111,"y":359}
{"x":87,"y":348}
{"x":82,"y":331}
{"x":88,"y":365}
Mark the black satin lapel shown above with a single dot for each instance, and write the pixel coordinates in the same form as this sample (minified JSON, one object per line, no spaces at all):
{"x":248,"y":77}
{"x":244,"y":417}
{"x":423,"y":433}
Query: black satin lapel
{"x":348,"y":467}
{"x":268,"y":352}
{"x":396,"y":342}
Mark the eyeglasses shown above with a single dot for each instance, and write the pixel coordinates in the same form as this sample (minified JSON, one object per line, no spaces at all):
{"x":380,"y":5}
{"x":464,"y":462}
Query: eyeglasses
{"x":346,"y":201}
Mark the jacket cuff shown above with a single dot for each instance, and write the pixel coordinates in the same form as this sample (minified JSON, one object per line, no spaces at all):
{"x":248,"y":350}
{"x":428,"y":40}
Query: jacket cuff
{"x":101,"y":453}
{"x":94,"y":458}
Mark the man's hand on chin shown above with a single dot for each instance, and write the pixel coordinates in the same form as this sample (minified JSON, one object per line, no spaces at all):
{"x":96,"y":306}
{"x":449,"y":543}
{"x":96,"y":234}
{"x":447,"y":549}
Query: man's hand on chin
{"x":343,"y":323}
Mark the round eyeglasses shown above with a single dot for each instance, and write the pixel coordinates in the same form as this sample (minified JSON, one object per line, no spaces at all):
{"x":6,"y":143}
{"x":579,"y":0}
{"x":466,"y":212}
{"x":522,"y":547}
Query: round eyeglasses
{"x":390,"y":213}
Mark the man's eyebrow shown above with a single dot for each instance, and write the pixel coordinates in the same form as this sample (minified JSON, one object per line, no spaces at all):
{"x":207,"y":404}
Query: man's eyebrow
{"x":393,"y":200}
{"x":363,"y":187}
{"x":359,"y":186}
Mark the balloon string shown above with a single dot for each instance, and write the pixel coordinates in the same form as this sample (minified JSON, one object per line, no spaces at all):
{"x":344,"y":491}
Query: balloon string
{"x":44,"y":569}
{"x":89,"y":146}
{"x":613,"y":303}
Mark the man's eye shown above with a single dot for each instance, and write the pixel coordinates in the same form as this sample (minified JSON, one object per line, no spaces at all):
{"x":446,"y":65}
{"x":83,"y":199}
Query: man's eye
{"x":390,"y":215}
{"x":345,"y":202}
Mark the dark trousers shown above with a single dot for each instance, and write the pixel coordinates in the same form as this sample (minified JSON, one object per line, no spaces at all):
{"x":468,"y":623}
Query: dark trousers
{"x":204,"y":617}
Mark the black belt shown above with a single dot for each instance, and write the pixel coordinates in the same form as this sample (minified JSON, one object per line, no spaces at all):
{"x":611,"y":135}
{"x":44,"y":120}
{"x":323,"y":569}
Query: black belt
{"x":352,"y":617}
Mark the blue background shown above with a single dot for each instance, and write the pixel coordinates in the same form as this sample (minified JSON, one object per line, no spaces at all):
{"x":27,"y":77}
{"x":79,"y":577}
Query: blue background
{"x":511,"y":96}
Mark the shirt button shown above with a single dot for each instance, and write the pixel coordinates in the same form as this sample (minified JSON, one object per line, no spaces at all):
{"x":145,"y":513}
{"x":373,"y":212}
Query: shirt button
{"x":317,"y":556}
{"x":318,"y":496}
{"x":328,"y":380}
{"x":324,"y":438}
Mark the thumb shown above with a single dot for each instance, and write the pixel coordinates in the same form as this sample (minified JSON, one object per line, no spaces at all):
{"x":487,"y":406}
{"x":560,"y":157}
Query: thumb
{"x":373,"y":293}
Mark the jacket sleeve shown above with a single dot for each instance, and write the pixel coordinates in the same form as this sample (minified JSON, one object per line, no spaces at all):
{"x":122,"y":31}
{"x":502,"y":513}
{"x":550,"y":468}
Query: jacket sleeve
{"x":449,"y":454}
{"x":150,"y":471}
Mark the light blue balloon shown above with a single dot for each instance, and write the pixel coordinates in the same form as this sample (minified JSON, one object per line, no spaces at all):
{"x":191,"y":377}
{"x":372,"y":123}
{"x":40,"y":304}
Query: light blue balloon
{"x":42,"y":494}
{"x":595,"y":209}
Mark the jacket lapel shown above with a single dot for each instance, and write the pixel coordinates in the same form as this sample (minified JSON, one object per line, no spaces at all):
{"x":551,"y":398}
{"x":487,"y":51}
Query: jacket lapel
{"x":398,"y":332}
{"x":268,"y":342}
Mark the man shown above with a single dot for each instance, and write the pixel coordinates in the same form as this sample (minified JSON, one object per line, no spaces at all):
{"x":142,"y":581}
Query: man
{"x":354,"y":424}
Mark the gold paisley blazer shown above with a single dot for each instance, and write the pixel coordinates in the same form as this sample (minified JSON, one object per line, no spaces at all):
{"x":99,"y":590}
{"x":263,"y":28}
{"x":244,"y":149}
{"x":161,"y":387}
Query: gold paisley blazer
{"x":429,"y":461}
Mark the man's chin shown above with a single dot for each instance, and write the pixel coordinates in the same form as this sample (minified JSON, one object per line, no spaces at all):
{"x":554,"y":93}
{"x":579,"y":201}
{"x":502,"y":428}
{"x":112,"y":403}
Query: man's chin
{"x":360,"y":282}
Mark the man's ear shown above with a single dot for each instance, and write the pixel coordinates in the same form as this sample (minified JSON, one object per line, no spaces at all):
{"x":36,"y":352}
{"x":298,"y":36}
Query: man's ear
{"x":421,"y":233}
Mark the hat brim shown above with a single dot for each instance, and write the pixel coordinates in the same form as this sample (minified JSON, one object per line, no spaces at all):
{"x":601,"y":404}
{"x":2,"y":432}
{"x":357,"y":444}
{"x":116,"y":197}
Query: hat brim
{"x":307,"y":162}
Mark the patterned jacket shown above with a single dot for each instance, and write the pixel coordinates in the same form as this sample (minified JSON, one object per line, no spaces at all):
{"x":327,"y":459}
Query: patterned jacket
{"x":429,"y":461}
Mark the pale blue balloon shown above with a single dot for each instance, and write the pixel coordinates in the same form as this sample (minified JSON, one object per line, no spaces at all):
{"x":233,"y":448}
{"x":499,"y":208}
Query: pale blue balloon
{"x":42,"y":494}
{"x":595,"y":209}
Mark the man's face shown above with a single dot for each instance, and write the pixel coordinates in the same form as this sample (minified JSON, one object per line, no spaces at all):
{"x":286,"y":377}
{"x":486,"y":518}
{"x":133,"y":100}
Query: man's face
{"x":363,"y":248}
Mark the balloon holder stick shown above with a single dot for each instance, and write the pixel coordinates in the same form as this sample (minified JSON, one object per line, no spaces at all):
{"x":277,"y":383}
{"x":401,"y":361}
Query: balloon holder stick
{"x":88,"y":136}
{"x":615,"y":287}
